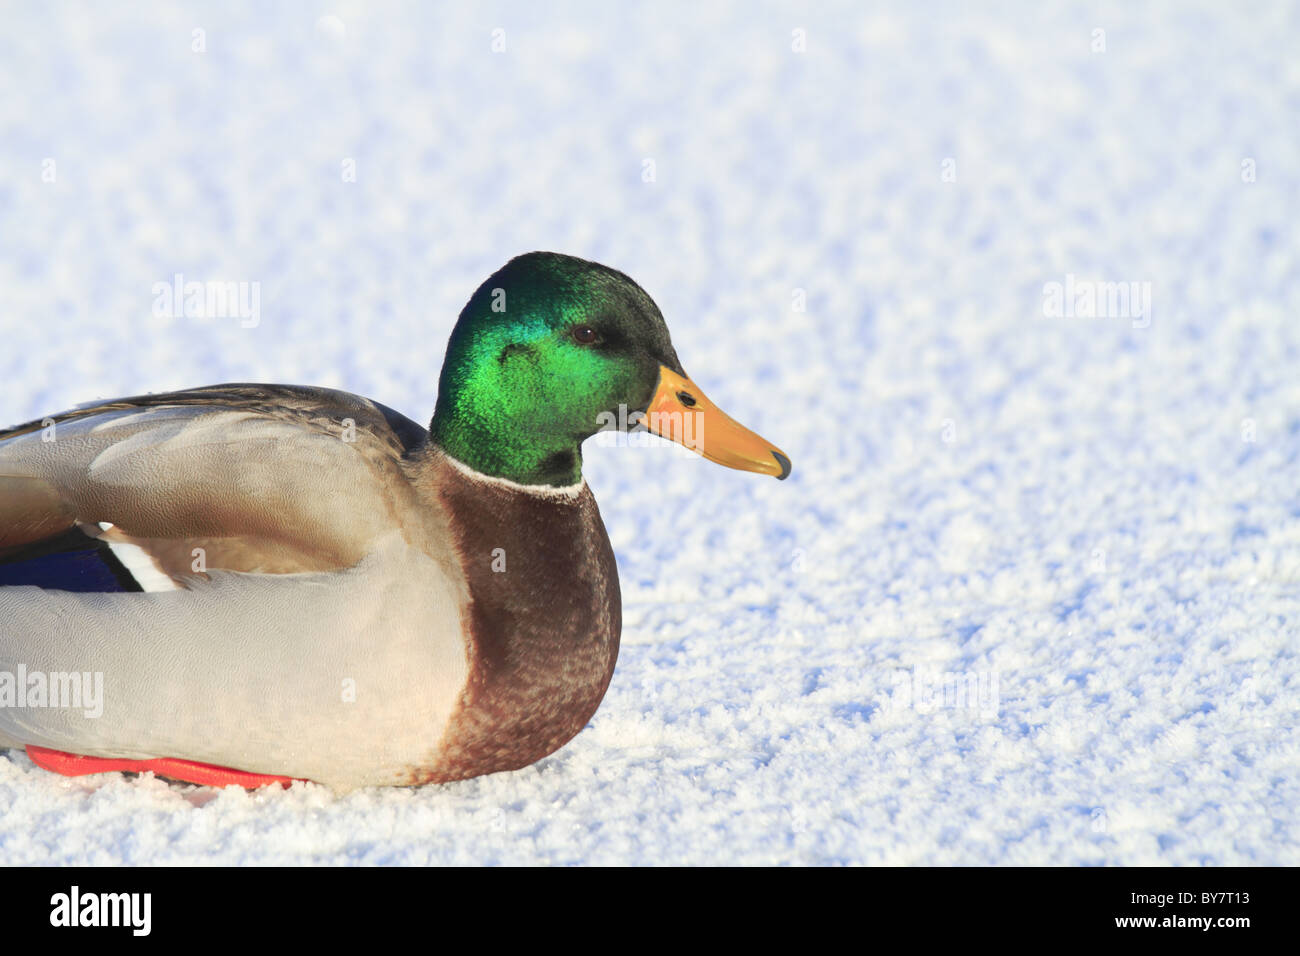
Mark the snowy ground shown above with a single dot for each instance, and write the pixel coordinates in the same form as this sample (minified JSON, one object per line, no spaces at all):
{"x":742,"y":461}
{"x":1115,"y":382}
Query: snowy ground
{"x":1088,"y":526}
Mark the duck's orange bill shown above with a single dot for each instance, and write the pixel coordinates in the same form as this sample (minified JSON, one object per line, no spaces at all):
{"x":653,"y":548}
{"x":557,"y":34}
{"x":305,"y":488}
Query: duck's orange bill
{"x":682,"y":413}
{"x":186,"y":771}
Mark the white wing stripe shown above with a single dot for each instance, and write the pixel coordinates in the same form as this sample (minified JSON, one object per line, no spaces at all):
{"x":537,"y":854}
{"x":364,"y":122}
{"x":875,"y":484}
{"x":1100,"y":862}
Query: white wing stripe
{"x":141,"y":565}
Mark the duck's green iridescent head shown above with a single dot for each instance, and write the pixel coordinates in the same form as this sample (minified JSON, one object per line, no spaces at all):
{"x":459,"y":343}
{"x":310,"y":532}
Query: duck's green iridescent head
{"x":544,"y":353}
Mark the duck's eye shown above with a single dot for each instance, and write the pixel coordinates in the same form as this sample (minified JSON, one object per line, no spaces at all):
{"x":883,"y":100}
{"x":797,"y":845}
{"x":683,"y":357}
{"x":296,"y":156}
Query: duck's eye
{"x":584,"y":335}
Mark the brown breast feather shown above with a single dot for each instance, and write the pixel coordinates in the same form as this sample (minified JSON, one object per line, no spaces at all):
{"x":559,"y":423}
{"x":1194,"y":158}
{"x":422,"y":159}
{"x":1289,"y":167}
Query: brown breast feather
{"x":543,"y":634}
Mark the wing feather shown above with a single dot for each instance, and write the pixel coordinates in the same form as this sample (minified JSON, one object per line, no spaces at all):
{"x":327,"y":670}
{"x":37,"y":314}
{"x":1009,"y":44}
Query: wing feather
{"x":254,"y":478}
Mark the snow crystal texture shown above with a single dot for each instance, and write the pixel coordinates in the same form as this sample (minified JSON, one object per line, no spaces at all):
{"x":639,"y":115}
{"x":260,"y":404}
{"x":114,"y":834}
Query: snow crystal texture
{"x":1031,"y":593}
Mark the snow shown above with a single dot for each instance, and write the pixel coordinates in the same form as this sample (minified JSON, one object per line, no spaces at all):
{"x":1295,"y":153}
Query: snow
{"x":1086,"y":531}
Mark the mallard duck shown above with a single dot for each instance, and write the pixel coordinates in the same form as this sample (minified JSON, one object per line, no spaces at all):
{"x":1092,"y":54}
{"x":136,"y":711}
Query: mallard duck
{"x":264,"y":583}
